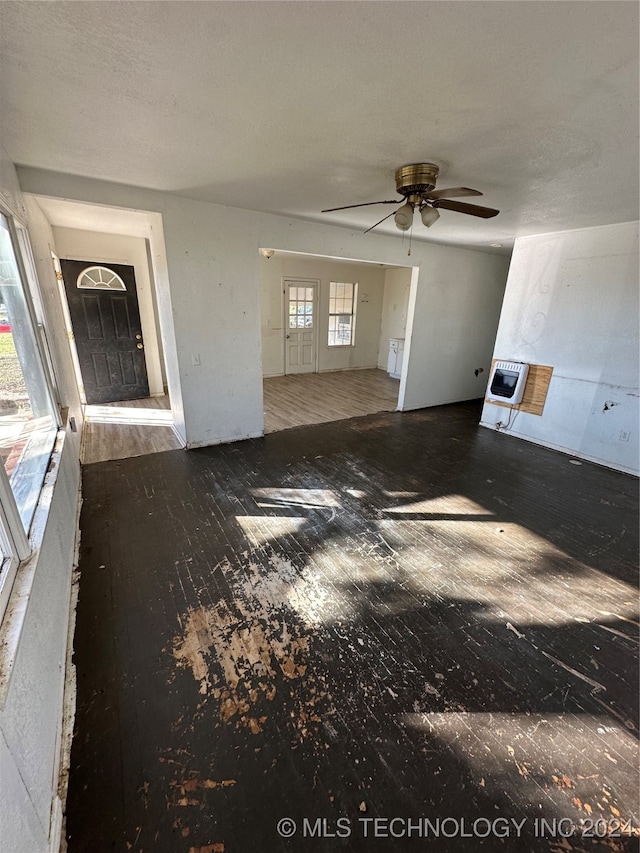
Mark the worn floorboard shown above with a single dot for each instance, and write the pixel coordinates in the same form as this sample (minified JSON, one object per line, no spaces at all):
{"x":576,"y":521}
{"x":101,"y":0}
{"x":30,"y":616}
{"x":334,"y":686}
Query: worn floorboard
{"x":133,"y":432}
{"x":396,"y":616}
{"x":299,"y":399}
{"x":102,"y":442}
{"x":289,"y":401}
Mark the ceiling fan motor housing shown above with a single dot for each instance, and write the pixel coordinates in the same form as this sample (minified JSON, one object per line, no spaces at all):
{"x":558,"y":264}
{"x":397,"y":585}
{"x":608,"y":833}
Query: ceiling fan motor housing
{"x":416,"y":178}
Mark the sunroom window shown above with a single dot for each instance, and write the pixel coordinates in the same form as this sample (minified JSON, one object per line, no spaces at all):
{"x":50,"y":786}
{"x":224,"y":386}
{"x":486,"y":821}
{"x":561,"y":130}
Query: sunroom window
{"x":28,"y":420}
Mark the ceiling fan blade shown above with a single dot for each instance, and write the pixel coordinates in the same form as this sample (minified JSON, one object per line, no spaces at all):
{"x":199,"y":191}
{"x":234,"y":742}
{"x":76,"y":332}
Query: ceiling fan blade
{"x":380,"y":222}
{"x":365,"y":204}
{"x":463,"y":207}
{"x":452,"y":192}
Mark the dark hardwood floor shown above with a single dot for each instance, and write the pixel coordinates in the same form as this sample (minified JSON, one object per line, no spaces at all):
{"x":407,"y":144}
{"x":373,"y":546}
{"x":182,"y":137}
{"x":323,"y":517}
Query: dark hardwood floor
{"x":395,"y":616}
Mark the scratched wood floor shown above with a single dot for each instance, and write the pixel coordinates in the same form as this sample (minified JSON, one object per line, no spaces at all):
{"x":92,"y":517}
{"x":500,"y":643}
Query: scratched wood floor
{"x":395,"y":616}
{"x":289,"y":401}
{"x":103,"y":441}
{"x":314,"y":398}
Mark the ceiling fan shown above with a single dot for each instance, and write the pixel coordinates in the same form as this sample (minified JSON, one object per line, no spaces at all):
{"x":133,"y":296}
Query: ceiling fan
{"x":416,"y":183}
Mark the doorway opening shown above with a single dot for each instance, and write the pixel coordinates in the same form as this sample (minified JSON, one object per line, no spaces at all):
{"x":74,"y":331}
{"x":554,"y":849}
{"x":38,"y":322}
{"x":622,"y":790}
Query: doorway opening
{"x":326,"y":329}
{"x":111,"y":272}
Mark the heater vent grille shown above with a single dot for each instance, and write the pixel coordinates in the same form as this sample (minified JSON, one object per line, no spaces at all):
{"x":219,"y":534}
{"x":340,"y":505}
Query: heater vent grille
{"x":507,"y":382}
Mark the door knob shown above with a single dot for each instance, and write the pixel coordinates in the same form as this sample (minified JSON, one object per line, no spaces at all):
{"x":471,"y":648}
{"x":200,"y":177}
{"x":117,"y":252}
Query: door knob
{"x":138,"y":337}
{"x":288,"y":336}
{"x":139,"y":346}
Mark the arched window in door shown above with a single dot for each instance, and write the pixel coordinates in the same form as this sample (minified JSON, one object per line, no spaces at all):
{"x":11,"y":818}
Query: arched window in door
{"x":100,"y":278}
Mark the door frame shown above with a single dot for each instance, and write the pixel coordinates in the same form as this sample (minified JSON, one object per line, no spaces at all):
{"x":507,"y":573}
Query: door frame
{"x":308,"y":282}
{"x":68,"y":328}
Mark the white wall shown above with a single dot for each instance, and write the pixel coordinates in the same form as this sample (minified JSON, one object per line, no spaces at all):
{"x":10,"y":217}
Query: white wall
{"x":451,"y":328}
{"x":31,"y":713}
{"x":33,"y":635}
{"x":395,"y":310}
{"x":572,"y":302}
{"x":370,"y":282}
{"x":213,"y":267}
{"x":120,"y":249}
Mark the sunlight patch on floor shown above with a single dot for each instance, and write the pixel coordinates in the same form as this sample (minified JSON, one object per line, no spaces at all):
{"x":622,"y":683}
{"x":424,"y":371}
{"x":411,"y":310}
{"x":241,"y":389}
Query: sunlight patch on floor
{"x":122,"y":415}
{"x":263,"y":529}
{"x":551,"y":765}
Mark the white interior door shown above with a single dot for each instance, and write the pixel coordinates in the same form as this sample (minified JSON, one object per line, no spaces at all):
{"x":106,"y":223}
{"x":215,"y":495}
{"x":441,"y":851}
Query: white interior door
{"x":301,"y":321}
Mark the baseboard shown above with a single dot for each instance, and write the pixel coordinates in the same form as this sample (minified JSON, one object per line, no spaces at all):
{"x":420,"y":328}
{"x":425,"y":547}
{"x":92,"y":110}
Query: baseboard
{"x":567,"y":451}
{"x":178,"y":436}
{"x":55,"y":833}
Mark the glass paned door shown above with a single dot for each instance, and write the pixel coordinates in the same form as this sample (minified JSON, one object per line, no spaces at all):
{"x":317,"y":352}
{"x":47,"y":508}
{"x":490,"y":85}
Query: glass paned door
{"x":300,"y":331}
{"x":301,"y":305}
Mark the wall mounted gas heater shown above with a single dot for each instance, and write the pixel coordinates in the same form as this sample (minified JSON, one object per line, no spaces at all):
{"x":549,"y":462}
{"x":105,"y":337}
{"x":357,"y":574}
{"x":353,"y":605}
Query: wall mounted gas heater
{"x":507,"y":381}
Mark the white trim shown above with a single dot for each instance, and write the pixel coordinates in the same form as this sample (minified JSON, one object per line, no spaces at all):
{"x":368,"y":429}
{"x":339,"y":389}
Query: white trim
{"x":69,"y":702}
{"x":11,"y":520}
{"x":55,"y":826}
{"x":180,"y":438}
{"x":68,"y":328}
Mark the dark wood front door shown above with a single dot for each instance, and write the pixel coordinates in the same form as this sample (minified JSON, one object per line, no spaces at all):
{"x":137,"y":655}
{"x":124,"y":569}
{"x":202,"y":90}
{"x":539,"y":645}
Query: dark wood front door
{"x":103,"y":304}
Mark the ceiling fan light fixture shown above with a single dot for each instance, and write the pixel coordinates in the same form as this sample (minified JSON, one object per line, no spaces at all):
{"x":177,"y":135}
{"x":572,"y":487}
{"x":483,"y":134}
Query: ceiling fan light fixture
{"x":267,"y":253}
{"x":429,"y":215}
{"x":415,"y":183}
{"x":404,"y":217}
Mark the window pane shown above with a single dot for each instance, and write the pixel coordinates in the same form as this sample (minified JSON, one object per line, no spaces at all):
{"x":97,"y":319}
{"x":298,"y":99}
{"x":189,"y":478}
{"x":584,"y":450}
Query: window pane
{"x":27,"y":422}
{"x":341,"y":313}
{"x":100,"y":278}
{"x":8,"y":564}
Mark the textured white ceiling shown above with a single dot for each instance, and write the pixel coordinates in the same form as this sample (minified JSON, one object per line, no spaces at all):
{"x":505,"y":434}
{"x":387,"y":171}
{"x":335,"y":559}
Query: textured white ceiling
{"x":292,"y":107}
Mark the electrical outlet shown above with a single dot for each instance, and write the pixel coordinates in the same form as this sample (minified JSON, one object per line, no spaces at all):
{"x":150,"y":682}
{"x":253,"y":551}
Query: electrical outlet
{"x":623,"y":435}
